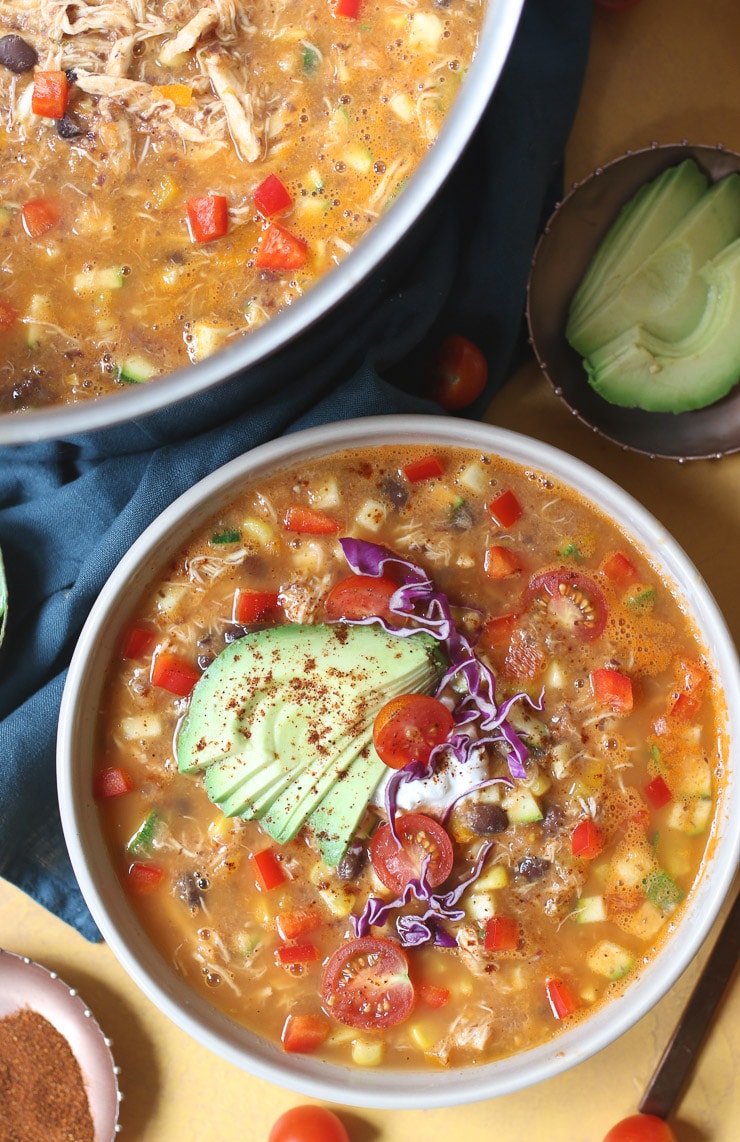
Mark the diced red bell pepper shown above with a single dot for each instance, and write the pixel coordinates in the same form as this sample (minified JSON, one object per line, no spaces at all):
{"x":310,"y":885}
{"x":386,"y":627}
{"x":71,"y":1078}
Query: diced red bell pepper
{"x":502,"y":934}
{"x":144,"y":878}
{"x":619,"y":568}
{"x":686,"y":707}
{"x":208,"y":217}
{"x":612,"y":689}
{"x":658,"y":793}
{"x":424,"y":469}
{"x":272,"y":197}
{"x":348,"y":9}
{"x":170,"y":672}
{"x":111,"y":782}
{"x":8,"y":315}
{"x":310,"y":521}
{"x":291,"y":925}
{"x":138,"y":642}
{"x":586,"y":840}
{"x":39,"y":215}
{"x":269,"y":870}
{"x":281,"y":250}
{"x":251,"y":606}
{"x":501,"y":562}
{"x":432,"y":995}
{"x":561,"y":998}
{"x":50,"y":94}
{"x":497,"y":632}
{"x":288,"y":954}
{"x":302,"y":1034}
{"x":505,"y":509}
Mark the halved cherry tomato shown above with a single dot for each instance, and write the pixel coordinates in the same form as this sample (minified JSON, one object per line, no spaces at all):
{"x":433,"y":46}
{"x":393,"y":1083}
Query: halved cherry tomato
{"x":360,"y":597}
{"x":268,"y":868}
{"x":586,"y":840}
{"x":281,"y":250}
{"x":39,"y":215}
{"x":308,"y":1124}
{"x":302,"y":1034}
{"x":409,"y":727}
{"x":574,"y":600}
{"x":251,"y":606}
{"x":561,"y":999}
{"x":424,"y":469}
{"x":612,"y":689}
{"x":111,"y":782}
{"x":502,"y":934}
{"x":505,"y":509}
{"x":144,"y":878}
{"x":658,"y":793}
{"x":310,"y":521}
{"x":366,"y":984}
{"x":641,"y":1128}
{"x":272,"y":196}
{"x":421,"y":837}
{"x":208,"y":217}
{"x":170,"y":672}
{"x":459,"y":373}
{"x":501,"y":562}
{"x":50,"y":94}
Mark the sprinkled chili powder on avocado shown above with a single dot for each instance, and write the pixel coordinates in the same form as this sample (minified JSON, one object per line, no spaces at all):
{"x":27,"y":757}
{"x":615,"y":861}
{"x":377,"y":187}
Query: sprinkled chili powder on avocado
{"x":42,"y":1090}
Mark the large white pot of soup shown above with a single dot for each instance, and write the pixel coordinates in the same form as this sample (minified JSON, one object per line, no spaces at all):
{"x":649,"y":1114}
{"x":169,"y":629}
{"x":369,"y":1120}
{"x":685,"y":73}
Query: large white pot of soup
{"x":398,"y":762}
{"x":187,"y":193}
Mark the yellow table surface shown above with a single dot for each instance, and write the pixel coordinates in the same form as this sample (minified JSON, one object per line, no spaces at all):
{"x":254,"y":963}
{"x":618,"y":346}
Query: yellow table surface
{"x":663,"y":71}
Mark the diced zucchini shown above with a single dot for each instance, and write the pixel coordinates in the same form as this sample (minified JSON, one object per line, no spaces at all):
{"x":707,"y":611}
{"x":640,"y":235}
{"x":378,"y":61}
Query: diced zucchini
{"x":494,"y":877}
{"x":326,"y":494}
{"x":590,"y":909}
{"x":480,"y":906}
{"x":426,"y":32}
{"x":230,"y":535}
{"x":561,"y":756}
{"x":521,"y":805}
{"x":311,"y":59}
{"x":143,"y":839}
{"x":39,"y":314}
{"x":695,"y":776}
{"x":141,"y":727}
{"x":169,"y":599}
{"x":633,"y":864}
{"x":642,"y":599}
{"x":98,"y":280}
{"x":206,"y":339}
{"x":402,"y":105}
{"x":358,"y":157}
{"x":647,"y":921}
{"x":371,"y":515}
{"x":474,"y":477}
{"x":136,"y":370}
{"x":248,"y":942}
{"x":691,"y":816}
{"x":609,"y":959}
{"x":662,"y":891}
{"x":539,"y":783}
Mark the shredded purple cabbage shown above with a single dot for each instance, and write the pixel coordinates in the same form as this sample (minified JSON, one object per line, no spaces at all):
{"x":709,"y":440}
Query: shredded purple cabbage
{"x":479,"y":721}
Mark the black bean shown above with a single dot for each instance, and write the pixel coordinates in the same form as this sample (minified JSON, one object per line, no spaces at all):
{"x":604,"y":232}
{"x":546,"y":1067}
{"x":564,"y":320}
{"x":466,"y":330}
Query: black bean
{"x":485,"y":819}
{"x":17,"y":54}
{"x":461,"y":518}
{"x":395,"y":490}
{"x":532,"y":868}
{"x":189,"y":887}
{"x":68,"y":127}
{"x":353,"y":862}
{"x":552,"y":820}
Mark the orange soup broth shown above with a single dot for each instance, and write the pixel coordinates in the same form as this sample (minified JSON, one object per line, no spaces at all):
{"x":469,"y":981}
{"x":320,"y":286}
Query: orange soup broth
{"x":588,"y":920}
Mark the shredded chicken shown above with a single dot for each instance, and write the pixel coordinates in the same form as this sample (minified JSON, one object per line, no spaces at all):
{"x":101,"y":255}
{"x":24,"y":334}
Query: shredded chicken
{"x":238,"y":104}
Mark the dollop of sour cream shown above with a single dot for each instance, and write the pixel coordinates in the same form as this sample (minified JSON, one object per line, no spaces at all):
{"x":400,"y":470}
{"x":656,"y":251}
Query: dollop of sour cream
{"x":432,"y":795}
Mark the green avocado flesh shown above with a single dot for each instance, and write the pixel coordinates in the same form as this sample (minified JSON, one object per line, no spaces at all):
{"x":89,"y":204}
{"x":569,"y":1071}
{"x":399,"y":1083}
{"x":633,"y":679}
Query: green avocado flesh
{"x":281,"y":724}
{"x":659,"y":329}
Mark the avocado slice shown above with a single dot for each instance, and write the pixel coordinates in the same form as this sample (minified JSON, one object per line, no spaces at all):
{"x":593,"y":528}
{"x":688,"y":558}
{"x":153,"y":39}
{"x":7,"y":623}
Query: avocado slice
{"x":640,"y":370}
{"x":281,"y":724}
{"x":640,"y":227}
{"x":667,"y":294}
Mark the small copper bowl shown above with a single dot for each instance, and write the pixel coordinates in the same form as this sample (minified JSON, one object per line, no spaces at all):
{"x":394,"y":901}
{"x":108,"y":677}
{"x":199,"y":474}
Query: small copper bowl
{"x":560,"y":260}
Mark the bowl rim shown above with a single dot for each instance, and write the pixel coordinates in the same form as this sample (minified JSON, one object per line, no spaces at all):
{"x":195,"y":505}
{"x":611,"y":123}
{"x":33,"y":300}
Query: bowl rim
{"x":406,"y":1089}
{"x":494,"y":44}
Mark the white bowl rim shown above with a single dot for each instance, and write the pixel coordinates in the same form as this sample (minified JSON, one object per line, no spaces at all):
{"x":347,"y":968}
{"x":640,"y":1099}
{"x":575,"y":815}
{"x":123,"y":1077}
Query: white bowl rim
{"x":405,"y":1089}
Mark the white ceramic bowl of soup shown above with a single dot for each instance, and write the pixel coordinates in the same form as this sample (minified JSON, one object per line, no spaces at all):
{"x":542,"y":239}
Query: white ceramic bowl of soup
{"x":362,"y":1086}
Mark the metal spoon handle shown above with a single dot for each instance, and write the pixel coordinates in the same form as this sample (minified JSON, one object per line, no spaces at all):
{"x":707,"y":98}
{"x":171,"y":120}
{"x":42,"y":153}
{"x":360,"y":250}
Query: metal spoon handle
{"x":665,"y":1086}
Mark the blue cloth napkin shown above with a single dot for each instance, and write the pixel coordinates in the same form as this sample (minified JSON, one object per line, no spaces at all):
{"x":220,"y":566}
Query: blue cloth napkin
{"x":69,"y":509}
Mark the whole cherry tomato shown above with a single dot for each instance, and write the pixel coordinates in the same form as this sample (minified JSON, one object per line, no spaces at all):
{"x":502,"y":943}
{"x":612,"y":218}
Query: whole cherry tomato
{"x":641,"y":1128}
{"x":308,"y":1124}
{"x":459,"y":373}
